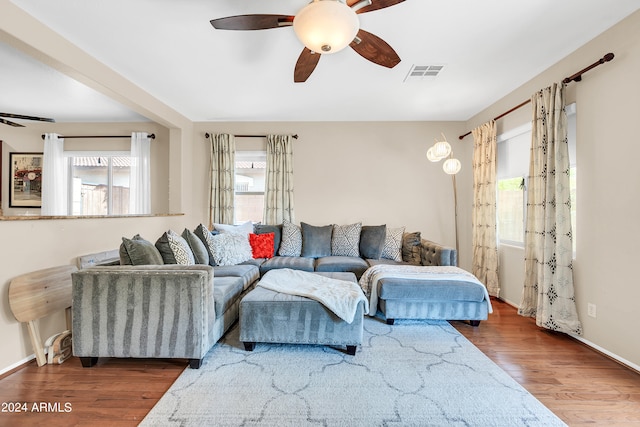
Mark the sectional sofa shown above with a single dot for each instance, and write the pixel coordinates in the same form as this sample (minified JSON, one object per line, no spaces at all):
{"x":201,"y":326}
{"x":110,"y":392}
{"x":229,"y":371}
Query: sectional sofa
{"x":176,"y":297}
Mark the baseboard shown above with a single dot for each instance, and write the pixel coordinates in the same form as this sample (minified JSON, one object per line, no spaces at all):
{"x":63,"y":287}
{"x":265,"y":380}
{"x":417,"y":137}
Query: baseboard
{"x":16,"y":366}
{"x":624,"y":362}
{"x":607,"y":353}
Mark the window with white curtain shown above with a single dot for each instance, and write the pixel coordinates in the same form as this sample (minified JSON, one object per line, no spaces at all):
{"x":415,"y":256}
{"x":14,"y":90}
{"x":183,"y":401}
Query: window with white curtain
{"x":512,"y":173}
{"x":250,"y":184}
{"x":98,"y":182}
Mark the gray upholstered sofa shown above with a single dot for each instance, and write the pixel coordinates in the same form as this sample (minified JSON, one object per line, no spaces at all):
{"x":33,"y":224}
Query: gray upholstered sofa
{"x":156,"y":308}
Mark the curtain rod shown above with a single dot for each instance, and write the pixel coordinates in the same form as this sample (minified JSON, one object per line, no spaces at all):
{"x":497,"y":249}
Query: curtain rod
{"x":152,"y":136}
{"x":207,"y":135}
{"x":573,"y":78}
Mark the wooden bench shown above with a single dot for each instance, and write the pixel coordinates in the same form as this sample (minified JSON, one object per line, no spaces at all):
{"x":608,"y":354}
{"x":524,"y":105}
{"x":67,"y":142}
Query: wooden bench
{"x":39,"y":294}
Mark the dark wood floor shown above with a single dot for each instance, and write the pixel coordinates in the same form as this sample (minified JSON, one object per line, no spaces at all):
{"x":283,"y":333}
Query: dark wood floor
{"x":578,"y":384}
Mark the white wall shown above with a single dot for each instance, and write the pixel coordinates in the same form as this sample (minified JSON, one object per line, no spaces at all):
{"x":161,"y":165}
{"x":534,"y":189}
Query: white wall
{"x":607,"y":179}
{"x":345,"y":172}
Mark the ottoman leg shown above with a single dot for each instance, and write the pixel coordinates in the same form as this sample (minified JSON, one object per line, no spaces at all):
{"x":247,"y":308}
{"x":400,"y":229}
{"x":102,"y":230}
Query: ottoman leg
{"x":249,"y":346}
{"x":390,"y":321}
{"x":474,"y":323}
{"x":351,"y":350}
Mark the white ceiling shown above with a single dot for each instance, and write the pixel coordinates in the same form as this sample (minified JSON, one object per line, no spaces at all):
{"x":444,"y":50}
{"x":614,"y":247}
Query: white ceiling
{"x":168,"y":48}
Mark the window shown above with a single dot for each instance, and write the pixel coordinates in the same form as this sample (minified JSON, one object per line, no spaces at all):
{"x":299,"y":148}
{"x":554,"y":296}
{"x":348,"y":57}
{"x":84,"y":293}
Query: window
{"x":99,"y":183}
{"x":250,"y":179}
{"x":511,"y":210}
{"x":512,"y":173}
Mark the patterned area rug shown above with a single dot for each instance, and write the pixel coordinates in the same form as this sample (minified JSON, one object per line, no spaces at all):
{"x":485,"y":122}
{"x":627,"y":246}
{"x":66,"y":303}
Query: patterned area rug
{"x":415,"y":373}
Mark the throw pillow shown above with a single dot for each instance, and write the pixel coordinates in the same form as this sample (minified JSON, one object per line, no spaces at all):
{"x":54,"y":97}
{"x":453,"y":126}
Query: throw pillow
{"x":316,"y":241}
{"x":230,"y":248}
{"x":372,"y":239}
{"x":261,"y":245}
{"x":205,"y":236}
{"x":138,"y":251}
{"x":245,"y":228}
{"x":393,"y":244}
{"x":411,"y":248}
{"x":291,"y":244}
{"x":174,"y":249}
{"x":199,"y":250}
{"x":345,"y":240}
{"x":275,"y":229}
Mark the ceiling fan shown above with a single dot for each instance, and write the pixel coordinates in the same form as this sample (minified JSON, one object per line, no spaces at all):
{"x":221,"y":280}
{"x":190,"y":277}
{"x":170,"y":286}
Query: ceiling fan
{"x":324,"y":27}
{"x":19,"y":116}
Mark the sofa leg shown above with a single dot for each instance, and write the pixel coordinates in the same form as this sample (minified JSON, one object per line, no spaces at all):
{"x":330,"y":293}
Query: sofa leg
{"x":390,"y":321}
{"x":249,"y":346}
{"x":351,"y":350}
{"x":88,"y":362}
{"x":474,"y":323}
{"x":195,"y":363}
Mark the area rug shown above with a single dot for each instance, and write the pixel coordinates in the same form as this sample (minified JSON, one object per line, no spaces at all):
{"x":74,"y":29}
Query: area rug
{"x":414,"y":373}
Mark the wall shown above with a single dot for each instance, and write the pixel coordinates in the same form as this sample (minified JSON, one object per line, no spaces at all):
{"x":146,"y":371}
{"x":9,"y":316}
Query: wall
{"x":346,"y":172}
{"x":607,"y":179}
{"x":28,"y":139}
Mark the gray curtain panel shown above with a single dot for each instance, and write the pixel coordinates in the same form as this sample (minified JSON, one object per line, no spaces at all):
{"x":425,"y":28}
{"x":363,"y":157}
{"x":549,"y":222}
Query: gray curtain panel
{"x":222,"y":174}
{"x":548,"y":293}
{"x":278,"y":197}
{"x":484,"y":223}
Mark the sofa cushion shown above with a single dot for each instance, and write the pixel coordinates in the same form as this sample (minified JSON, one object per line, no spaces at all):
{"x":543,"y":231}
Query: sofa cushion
{"x":199,"y":250}
{"x":138,"y":251}
{"x":291,"y":244}
{"x":261,"y":245}
{"x":411,"y":248}
{"x":226,"y":290}
{"x":372,"y":241}
{"x":230,"y":248}
{"x":245,"y":228}
{"x":316,"y":240}
{"x":206,"y":238}
{"x":351,"y":264}
{"x":429,"y":290}
{"x":295,"y":263}
{"x":383,"y":261}
{"x":393,"y":244}
{"x":248,"y":273}
{"x":275,"y":229}
{"x":345,"y":240}
{"x":174,"y":249}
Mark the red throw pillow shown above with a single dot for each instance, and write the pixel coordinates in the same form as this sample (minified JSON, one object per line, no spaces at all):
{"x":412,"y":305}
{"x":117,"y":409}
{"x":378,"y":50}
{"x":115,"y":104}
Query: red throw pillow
{"x":262,"y":245}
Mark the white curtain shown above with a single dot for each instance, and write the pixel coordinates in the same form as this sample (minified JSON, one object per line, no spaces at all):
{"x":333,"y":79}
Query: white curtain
{"x":484,"y":223}
{"x":140,"y":174}
{"x":54,"y":177}
{"x":548,"y":293}
{"x":222,"y":177}
{"x":278,"y":197}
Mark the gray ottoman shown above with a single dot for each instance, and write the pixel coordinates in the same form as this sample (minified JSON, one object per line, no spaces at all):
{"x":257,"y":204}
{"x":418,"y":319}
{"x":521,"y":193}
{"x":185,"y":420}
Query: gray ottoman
{"x":273,"y":317}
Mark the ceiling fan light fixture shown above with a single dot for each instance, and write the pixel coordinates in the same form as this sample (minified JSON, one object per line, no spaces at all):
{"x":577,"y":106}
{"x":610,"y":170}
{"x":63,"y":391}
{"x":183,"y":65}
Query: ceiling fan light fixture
{"x":326,"y":26}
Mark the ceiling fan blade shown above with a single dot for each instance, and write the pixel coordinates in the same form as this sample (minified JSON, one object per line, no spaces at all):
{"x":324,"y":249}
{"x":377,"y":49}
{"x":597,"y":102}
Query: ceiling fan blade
{"x":252,"y":22}
{"x":375,"y":5}
{"x":375,"y":49}
{"x":7,"y":122}
{"x":307,"y":62}
{"x":19,"y":116}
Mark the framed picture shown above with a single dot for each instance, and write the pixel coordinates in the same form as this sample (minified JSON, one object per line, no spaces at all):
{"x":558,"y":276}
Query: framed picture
{"x":25,"y":180}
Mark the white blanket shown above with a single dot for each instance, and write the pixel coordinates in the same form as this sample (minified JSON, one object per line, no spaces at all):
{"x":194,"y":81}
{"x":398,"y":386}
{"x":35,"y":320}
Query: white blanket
{"x":371,"y":277}
{"x":339,"y":296}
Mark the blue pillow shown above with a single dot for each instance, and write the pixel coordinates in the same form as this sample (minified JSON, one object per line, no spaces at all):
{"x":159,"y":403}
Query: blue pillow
{"x":316,"y":241}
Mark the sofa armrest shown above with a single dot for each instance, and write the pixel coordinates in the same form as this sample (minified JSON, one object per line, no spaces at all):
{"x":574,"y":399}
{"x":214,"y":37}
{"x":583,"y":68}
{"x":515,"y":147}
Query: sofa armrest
{"x":432,"y":253}
{"x":143,"y":311}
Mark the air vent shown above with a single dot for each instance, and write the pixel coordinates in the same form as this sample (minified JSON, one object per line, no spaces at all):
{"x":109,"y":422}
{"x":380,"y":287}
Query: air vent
{"x":423,"y":72}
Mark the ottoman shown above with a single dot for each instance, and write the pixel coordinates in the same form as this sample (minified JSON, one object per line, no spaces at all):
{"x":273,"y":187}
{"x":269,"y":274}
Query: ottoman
{"x":267,"y":316}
